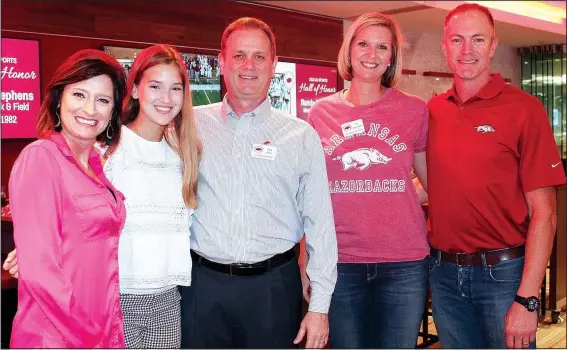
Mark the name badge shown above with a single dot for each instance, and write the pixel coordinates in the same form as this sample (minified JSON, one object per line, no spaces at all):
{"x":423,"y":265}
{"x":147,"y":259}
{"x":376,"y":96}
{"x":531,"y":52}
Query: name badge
{"x":351,"y":129}
{"x":264,"y":151}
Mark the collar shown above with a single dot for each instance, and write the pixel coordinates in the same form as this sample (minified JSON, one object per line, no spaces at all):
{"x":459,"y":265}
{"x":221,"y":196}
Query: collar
{"x":259,"y":114}
{"x":59,"y":140}
{"x":494,"y":86}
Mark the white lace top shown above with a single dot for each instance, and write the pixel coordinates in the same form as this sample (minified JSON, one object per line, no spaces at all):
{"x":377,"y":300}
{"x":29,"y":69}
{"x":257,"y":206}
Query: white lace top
{"x":153,"y":253}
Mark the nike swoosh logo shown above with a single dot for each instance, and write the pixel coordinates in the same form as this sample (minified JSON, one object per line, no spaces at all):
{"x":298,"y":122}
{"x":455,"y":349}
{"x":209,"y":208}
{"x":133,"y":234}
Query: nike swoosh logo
{"x":554,"y":165}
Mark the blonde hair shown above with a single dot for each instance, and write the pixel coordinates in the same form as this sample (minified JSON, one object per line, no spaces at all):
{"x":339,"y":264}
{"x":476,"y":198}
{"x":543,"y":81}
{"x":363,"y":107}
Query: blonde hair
{"x":181,"y":133}
{"x":393,"y":72}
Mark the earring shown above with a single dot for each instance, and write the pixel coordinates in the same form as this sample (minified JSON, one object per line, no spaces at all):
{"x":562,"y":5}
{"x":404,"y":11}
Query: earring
{"x":58,"y":117}
{"x":108,"y":129}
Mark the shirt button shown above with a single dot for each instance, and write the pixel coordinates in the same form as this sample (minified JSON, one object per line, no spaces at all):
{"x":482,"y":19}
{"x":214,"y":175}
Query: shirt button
{"x":461,"y":108}
{"x":237,"y":155}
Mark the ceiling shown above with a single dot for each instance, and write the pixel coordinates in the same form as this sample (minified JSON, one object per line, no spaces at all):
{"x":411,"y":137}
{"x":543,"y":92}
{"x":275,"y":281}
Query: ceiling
{"x":418,"y":17}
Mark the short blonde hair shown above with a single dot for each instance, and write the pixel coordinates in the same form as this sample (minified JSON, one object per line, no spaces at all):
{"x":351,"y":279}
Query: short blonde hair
{"x":393,"y":72}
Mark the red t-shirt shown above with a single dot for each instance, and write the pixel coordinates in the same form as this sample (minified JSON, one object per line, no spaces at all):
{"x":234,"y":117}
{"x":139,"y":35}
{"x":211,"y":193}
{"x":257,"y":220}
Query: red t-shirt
{"x":482,"y":156}
{"x":378,"y":217}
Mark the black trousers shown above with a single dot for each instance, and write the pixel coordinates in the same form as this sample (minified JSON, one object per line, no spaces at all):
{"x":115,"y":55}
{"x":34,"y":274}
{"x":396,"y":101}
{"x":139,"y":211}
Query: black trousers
{"x":223,"y":311}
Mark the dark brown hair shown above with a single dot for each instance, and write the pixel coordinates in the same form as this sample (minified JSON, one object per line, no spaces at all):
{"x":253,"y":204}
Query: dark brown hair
{"x":83,"y":65}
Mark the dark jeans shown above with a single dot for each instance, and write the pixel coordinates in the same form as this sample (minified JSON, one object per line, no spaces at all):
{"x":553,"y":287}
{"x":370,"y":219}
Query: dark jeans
{"x":223,"y":311}
{"x":470,"y":302}
{"x":378,"y":305}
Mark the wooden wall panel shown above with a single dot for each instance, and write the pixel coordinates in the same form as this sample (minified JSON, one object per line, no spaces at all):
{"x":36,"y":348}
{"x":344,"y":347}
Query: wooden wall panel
{"x":558,"y":284}
{"x":66,"y":26}
{"x":183,"y":23}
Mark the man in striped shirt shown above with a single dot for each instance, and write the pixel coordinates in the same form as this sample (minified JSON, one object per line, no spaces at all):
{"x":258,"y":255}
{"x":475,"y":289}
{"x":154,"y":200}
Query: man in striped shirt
{"x":262,"y":184}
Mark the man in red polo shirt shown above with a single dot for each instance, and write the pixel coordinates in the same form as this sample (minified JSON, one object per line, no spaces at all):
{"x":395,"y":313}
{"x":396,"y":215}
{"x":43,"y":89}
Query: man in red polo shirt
{"x":492,"y":170}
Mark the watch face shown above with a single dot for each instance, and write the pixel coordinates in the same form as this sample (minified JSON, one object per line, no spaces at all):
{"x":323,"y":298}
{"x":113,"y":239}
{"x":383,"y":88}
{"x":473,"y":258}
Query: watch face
{"x":533,"y":304}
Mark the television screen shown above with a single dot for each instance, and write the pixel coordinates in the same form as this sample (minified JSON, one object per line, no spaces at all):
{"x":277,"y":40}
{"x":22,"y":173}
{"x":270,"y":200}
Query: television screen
{"x":204,"y":72}
{"x":295,"y":87}
{"x":20,"y":88}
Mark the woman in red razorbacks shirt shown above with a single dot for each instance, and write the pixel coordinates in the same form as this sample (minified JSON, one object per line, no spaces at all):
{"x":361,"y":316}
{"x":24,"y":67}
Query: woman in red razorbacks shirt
{"x":373,"y":134}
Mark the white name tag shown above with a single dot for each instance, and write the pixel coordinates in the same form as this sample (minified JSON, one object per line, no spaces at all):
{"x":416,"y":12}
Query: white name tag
{"x":350,"y":129}
{"x":264,"y":151}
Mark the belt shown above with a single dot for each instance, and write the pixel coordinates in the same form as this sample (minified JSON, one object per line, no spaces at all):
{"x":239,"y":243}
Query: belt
{"x":241,"y":269}
{"x":492,"y":257}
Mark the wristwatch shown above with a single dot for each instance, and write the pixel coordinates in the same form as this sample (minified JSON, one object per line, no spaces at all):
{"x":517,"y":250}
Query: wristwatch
{"x":531,"y":303}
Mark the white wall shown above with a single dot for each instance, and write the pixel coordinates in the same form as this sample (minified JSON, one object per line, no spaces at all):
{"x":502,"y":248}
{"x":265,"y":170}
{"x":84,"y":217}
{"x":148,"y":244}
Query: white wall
{"x":422,"y":52}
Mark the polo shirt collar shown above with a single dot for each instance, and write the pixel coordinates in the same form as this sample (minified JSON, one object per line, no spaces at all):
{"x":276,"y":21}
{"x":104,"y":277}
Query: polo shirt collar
{"x":494,"y":86}
{"x":259,"y":114}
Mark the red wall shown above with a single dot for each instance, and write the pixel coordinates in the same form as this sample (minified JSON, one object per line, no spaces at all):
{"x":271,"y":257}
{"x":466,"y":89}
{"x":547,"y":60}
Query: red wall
{"x":50,"y":59}
{"x":52,"y":50}
{"x":64,"y":27}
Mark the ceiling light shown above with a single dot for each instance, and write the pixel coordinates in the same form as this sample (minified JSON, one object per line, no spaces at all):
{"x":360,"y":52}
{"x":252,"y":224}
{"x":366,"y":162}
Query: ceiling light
{"x":533,"y":9}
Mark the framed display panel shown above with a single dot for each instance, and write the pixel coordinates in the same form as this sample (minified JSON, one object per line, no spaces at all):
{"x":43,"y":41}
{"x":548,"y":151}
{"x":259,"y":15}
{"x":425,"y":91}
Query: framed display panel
{"x":203,"y":70}
{"x":21,"y":91}
{"x":295,"y":87}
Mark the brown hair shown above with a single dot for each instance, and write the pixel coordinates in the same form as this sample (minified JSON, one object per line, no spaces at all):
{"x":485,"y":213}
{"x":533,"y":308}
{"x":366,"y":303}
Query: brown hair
{"x":393,"y":72}
{"x":83,"y":65}
{"x":181,"y":133}
{"x":249,"y":23}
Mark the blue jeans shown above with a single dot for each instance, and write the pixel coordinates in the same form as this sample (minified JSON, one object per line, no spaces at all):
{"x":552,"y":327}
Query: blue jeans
{"x":470,"y":302}
{"x":378,"y":305}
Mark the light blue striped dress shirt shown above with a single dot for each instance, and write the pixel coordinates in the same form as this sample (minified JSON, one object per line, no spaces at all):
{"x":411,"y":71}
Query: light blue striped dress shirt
{"x":250,"y":209}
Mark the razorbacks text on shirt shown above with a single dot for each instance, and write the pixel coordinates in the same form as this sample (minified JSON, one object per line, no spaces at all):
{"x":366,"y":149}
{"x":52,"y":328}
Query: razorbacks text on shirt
{"x":369,"y":152}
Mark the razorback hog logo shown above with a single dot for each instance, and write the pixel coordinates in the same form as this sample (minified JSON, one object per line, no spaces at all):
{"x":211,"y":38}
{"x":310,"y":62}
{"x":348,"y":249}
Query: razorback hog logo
{"x":258,"y":149}
{"x":484,"y":128}
{"x":362,"y":159}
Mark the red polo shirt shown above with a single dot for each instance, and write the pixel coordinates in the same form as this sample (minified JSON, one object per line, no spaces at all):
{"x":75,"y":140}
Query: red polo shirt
{"x":482,"y":156}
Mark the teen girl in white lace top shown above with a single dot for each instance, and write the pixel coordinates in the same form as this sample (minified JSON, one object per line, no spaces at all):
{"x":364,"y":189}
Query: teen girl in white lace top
{"x":155,"y":166}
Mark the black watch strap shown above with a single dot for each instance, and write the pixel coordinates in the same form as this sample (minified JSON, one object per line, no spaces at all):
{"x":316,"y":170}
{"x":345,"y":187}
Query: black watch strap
{"x":530,"y":303}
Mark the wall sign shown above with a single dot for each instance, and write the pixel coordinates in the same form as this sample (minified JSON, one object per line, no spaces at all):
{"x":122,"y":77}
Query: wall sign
{"x":20,"y":88}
